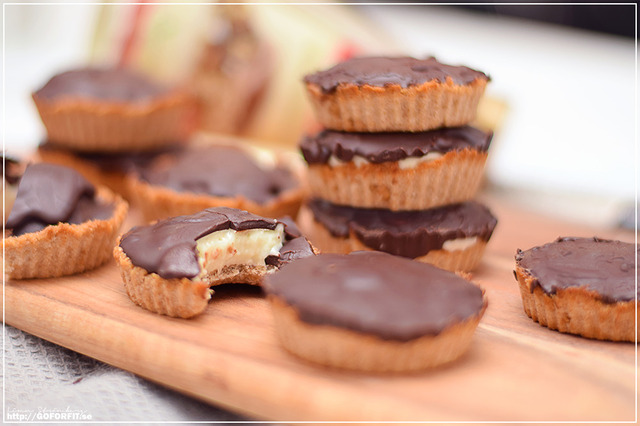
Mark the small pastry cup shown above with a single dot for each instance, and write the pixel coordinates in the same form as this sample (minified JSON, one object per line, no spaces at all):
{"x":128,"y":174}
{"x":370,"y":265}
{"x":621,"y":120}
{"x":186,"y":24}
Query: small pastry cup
{"x":88,"y":125}
{"x":65,"y":249}
{"x":577,"y":310}
{"x":392,"y":108}
{"x":158,"y":202}
{"x":455,"y":177}
{"x":337,"y":347}
{"x":465,"y":260}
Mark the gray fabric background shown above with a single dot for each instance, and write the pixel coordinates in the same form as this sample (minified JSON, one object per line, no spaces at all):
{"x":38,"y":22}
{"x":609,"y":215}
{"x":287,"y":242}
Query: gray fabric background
{"x":41,"y":377}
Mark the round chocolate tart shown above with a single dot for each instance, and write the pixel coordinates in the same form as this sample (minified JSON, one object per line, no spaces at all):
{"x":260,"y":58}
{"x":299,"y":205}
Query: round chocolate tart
{"x":372,"y":311}
{"x":452,"y":237}
{"x":60,"y":224}
{"x":111,"y":110}
{"x":198,"y":177}
{"x":110,"y":169}
{"x":169,"y":266}
{"x":383,"y":94}
{"x":396,"y":171}
{"x":584,"y":286}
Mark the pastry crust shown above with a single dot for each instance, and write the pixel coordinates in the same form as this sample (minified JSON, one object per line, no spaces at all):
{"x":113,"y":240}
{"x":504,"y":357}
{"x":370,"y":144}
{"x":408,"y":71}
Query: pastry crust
{"x":157,"y":202}
{"x":392,"y":108}
{"x":65,"y":249}
{"x":105,"y":126}
{"x":459,"y":260}
{"x":342,"y":348}
{"x":454,"y":177}
{"x":577,"y":310}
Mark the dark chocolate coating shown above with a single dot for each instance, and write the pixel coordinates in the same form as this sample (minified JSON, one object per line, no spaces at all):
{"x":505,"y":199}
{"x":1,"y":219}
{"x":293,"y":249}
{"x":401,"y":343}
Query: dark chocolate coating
{"x":220,"y":171}
{"x":168,"y":247}
{"x":12,"y":171}
{"x":606,"y":267}
{"x":375,"y":293}
{"x":406,"y":233}
{"x":393,"y":146}
{"x":106,"y":84}
{"x":383,"y":71}
{"x":49,"y":194}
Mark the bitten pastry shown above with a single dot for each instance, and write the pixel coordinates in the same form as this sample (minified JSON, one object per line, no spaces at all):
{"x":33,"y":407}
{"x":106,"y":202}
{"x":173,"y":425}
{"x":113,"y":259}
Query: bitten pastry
{"x":169,"y":266}
{"x":452,"y":237}
{"x":187,"y":181}
{"x":372,"y":311}
{"x":582,"y":286}
{"x":59,"y":224}
{"x":389,"y":94}
{"x":396,"y":171}
{"x":112,"y":110}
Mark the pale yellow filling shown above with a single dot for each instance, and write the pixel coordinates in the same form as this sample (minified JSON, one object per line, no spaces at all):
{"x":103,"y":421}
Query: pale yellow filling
{"x":229,"y":247}
{"x":404,"y":164}
{"x":459,"y":243}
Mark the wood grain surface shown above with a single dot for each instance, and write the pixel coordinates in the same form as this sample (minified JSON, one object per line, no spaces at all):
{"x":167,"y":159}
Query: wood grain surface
{"x":515,"y":370}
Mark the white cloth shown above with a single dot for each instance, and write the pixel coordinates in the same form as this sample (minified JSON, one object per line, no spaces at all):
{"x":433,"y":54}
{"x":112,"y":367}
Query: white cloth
{"x":46,"y":382}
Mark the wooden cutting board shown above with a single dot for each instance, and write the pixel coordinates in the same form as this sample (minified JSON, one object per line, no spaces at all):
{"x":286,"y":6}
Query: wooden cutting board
{"x":229,"y":356}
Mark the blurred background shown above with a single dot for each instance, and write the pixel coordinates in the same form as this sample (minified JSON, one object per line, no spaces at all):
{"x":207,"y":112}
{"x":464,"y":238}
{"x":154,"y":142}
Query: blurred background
{"x":562,"y":100}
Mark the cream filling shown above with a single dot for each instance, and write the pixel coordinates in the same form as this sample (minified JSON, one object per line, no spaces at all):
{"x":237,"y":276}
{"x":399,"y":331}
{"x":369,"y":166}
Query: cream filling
{"x":228,"y":247}
{"x":404,"y":164}
{"x":459,"y":243}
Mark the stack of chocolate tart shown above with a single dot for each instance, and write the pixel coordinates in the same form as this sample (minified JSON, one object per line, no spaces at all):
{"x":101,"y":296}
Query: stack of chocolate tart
{"x":397,"y":165}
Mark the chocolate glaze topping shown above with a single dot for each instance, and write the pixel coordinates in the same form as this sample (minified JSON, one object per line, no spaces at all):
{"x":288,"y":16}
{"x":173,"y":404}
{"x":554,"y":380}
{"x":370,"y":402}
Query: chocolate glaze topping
{"x":219,"y":171}
{"x":376,"y":293}
{"x":168,"y":247}
{"x":102,"y":84}
{"x":382,"y":71}
{"x":385,"y":147}
{"x":604,"y":266}
{"x":406,"y":233}
{"x":49,"y":194}
{"x":12,"y":171}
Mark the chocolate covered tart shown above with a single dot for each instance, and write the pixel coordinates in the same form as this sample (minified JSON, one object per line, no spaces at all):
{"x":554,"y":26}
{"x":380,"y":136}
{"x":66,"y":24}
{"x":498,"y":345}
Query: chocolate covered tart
{"x":110,"y":169}
{"x":198,"y":177}
{"x":389,"y":94}
{"x":396,"y":171}
{"x":112,"y":110}
{"x":169,"y":266}
{"x":584,"y":286}
{"x":452,"y":237}
{"x":372,"y":311}
{"x":59,"y":224}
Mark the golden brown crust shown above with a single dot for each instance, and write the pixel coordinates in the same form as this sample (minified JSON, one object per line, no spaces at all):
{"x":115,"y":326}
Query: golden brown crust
{"x":577,"y":310}
{"x":454,"y":177}
{"x":65,"y":249}
{"x":337,"y":347}
{"x":392,"y":108}
{"x":176,"y":297}
{"x":104,"y":126}
{"x":458,"y":260}
{"x":157,"y":202}
{"x":115,"y":181}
